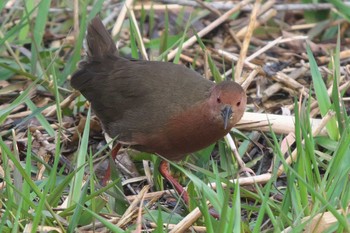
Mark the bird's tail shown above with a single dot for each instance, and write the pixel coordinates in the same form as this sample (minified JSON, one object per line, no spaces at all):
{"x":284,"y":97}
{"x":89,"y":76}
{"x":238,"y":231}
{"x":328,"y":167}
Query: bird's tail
{"x":99,"y":41}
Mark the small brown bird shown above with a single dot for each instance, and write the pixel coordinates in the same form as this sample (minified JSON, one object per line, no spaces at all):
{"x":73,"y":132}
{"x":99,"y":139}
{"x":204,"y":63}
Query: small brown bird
{"x":155,"y":107}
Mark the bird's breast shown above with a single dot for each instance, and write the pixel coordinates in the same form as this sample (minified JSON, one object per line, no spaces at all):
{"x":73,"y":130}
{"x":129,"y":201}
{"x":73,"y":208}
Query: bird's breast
{"x":187,"y":132}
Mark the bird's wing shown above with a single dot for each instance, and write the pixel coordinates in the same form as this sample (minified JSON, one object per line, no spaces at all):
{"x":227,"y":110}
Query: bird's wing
{"x":134,"y":96}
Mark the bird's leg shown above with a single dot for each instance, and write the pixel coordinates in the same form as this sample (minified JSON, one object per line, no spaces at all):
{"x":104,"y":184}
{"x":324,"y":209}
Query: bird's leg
{"x":114,"y":153}
{"x":164,"y":170}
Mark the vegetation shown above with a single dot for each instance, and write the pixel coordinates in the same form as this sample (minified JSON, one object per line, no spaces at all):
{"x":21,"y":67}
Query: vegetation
{"x":279,"y":176}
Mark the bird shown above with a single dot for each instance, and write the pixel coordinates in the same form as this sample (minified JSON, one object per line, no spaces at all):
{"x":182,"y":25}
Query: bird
{"x":153,"y":106}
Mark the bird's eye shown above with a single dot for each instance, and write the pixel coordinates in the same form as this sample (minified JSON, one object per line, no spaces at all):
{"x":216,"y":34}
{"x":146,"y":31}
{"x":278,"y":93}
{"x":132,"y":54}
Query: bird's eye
{"x":239,"y":103}
{"x":218,"y":100}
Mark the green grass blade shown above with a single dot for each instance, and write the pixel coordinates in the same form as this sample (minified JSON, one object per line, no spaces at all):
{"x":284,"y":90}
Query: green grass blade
{"x":159,"y":221}
{"x":97,"y":204}
{"x":95,"y":9}
{"x":39,"y":29}
{"x":339,"y":167}
{"x":227,"y":219}
{"x":143,"y":21}
{"x":10,"y":34}
{"x":28,"y":166}
{"x":164,"y":37}
{"x":208,"y":192}
{"x":18,"y":70}
{"x":55,"y":195}
{"x":236,"y":206}
{"x":75,"y":58}
{"x":77,"y":182}
{"x":313,"y":16}
{"x":133,"y":38}
{"x":335,"y":91}
{"x":213,"y":69}
{"x":151,"y":15}
{"x":112,"y":227}
{"x":42,"y":120}
{"x":17,"y":219}
{"x":29,"y":6}
{"x":301,"y":167}
{"x":77,"y":214}
{"x":179,"y":51}
{"x":205,"y":212}
{"x":27,"y":178}
{"x":19,"y":100}
{"x":68,"y":211}
{"x":39,"y":211}
{"x":2,"y":4}
{"x":342,"y":8}
{"x":57,"y":97}
{"x":176,"y":42}
{"x":323,"y":100}
{"x":326,"y":203}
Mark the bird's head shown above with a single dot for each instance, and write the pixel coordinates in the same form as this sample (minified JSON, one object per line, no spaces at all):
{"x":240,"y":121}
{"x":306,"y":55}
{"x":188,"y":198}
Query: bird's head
{"x":227,"y":103}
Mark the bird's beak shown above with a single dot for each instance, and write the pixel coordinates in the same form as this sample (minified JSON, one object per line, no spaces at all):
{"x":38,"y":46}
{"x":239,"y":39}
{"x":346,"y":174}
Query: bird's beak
{"x":226,"y":114}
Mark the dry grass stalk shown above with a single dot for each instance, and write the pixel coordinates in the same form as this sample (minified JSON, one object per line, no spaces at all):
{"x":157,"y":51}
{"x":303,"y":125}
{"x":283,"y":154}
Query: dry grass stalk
{"x":209,"y":28}
{"x":186,"y":222}
{"x":189,"y":59}
{"x":342,"y":55}
{"x":235,"y":58}
{"x":302,"y":26}
{"x":48,"y":112}
{"x":227,"y":27}
{"x":20,"y":114}
{"x":224,"y":5}
{"x":151,"y":195}
{"x":274,"y":88}
{"x":118,"y":24}
{"x":250,"y":78}
{"x":273,"y":43}
{"x":246,"y":41}
{"x":156,"y":7}
{"x":2,"y":185}
{"x":76,"y":19}
{"x":279,"y":124}
{"x":148,"y":172}
{"x":51,"y":111}
{"x":245,"y":181}
{"x":290,"y":82}
{"x":197,"y":229}
{"x":141,"y":44}
{"x":139,"y":215}
{"x":229,"y":140}
{"x":261,"y":16}
{"x":128,"y":215}
{"x":29,"y":228}
{"x":96,"y":225}
{"x":134,"y":180}
{"x":319,"y":223}
{"x":314,"y":105}
{"x":53,"y":126}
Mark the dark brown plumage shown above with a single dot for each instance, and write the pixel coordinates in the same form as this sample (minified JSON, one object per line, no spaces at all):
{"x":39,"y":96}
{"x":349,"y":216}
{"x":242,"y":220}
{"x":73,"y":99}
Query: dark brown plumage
{"x":155,"y":107}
